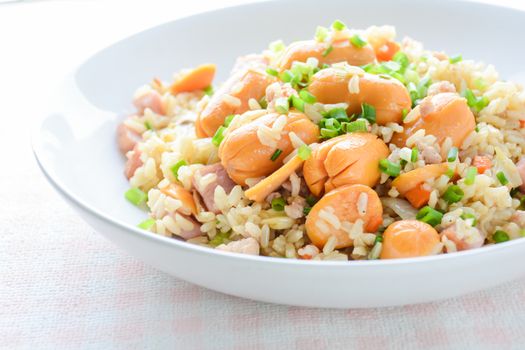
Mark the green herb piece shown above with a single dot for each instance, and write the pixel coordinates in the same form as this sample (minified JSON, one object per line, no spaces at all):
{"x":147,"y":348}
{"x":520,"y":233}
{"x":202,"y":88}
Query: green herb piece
{"x":401,"y":58}
{"x":148,"y":125}
{"x":307,"y":97}
{"x":175,"y":168}
{"x":337,"y":113}
{"x":306,"y":210}
{"x":278,"y":204}
{"x":304,"y":152}
{"x":297,"y":103}
{"x":218,"y":137}
{"x":379,"y":238}
{"x":452,"y":154}
{"x":272,"y":72}
{"x":368,"y":112}
{"x":311,"y":200}
{"x":208,"y":90}
{"x":321,"y":33}
{"x":404,"y":113}
{"x":146,"y":224}
{"x":357,"y":41}
{"x":277,"y":46}
{"x":359,"y":125}
{"x":220,"y":238}
{"x":389,"y":168}
{"x":470,"y":176}
{"x":228,"y":120}
{"x":449,"y":173}
{"x":327,"y":51}
{"x":429,"y":215}
{"x":414,"y":154}
{"x":467,"y":216}
{"x":263,"y":103}
{"x":500,"y":236}
{"x":338,"y":25}
{"x":282,"y":105}
{"x":502,"y":178}
{"x":453,"y":194}
{"x":276,"y":155}
{"x":474,"y":102}
{"x":135,"y":196}
{"x":455,"y":59}
{"x":287,"y":76}
{"x":329,"y":133}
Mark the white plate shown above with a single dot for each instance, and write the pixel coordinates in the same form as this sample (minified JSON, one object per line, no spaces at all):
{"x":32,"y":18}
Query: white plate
{"x":76,"y":148}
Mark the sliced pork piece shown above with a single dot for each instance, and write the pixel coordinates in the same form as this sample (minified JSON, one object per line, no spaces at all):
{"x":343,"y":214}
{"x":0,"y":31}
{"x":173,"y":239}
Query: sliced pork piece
{"x":206,"y":179}
{"x":133,"y":163}
{"x":190,"y":228}
{"x":127,"y":138}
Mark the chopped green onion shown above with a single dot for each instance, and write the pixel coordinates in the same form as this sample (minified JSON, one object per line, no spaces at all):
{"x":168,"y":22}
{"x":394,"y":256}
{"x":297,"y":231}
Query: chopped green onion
{"x":514,"y":191}
{"x":455,"y":59}
{"x":429,"y":215}
{"x":321,"y":33}
{"x":328,"y":133}
{"x":357,"y":41}
{"x":401,"y":58}
{"x":389,"y":168}
{"x":522,"y":203}
{"x":135,"y":196}
{"x":175,"y":168}
{"x":467,"y":216}
{"x":282,"y":105}
{"x":287,"y":76}
{"x":452,"y":154}
{"x":355,"y":126}
{"x":404,"y":113}
{"x":337,"y":113}
{"x":332,"y":124}
{"x":297,"y":103}
{"x":220,"y":238}
{"x":148,"y":125}
{"x":276,"y":155}
{"x":307,"y":97}
{"x":263,"y":103}
{"x":278,"y":204}
{"x":311,"y":200}
{"x":379,"y":238}
{"x":414,"y":154}
{"x":218,"y":137}
{"x":449,"y":173}
{"x":453,"y":194}
{"x":476,"y":103}
{"x":480,"y":84}
{"x":146,"y":224}
{"x":522,"y":232}
{"x":500,"y":236}
{"x":470,"y":176}
{"x":368,"y":112}
{"x":327,"y":51}
{"x":338,"y":25}
{"x":208,"y":90}
{"x":502,"y":178}
{"x":304,"y":152}
{"x":277,"y":46}
{"x":306,"y":210}
{"x":228,"y":120}
{"x":272,"y":72}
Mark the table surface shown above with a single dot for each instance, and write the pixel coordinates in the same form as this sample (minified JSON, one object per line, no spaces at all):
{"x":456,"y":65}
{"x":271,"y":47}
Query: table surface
{"x":64,"y":286}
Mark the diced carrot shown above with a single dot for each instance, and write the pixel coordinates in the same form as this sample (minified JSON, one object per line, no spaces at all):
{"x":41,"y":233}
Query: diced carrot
{"x":418,"y":196}
{"x":522,"y":124}
{"x":483,"y":163}
{"x":387,"y":51}
{"x":196,"y":79}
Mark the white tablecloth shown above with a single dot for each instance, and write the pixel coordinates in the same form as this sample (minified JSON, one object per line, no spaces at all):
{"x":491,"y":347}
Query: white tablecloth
{"x":64,"y":286}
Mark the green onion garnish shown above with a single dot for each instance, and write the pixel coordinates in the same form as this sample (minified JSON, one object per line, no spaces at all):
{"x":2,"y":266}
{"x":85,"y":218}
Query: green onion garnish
{"x":228,"y":120}
{"x":368,"y":112}
{"x":471,"y":175}
{"x":304,"y":152}
{"x":467,"y":216}
{"x":452,"y":154}
{"x":500,"y":236}
{"x":220,"y":238}
{"x":282,"y":105}
{"x":355,"y":126}
{"x":208,"y":90}
{"x":311,"y":200}
{"x":455,"y":59}
{"x":449,"y":173}
{"x":306,"y":210}
{"x":379,"y":238}
{"x":307,"y":97}
{"x":263,"y":103}
{"x":522,"y":232}
{"x":277,"y":46}
{"x":389,"y":168}
{"x":327,"y":51}
{"x":321,"y":33}
{"x":502,"y":178}
{"x":337,"y":113}
{"x":338,"y":25}
{"x":148,"y":126}
{"x":401,"y":58}
{"x":287,"y":76}
{"x":429,"y":215}
{"x":357,"y":41}
{"x":278,"y":204}
{"x":218,"y":137}
{"x":276,"y":155}
{"x":297,"y":103}
{"x":135,"y":196}
{"x":404,"y":113}
{"x":146,"y":224}
{"x":332,"y":124}
{"x":272,"y":72}
{"x":413,"y":155}
{"x":328,"y":133}
{"x":474,"y":102}
{"x":453,"y":194}
{"x":175,"y":168}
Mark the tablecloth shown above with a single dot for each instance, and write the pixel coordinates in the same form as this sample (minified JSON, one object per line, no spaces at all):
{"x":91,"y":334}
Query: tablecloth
{"x":64,"y":286}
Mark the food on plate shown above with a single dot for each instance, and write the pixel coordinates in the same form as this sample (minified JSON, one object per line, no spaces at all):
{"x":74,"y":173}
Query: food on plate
{"x":351,"y":145}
